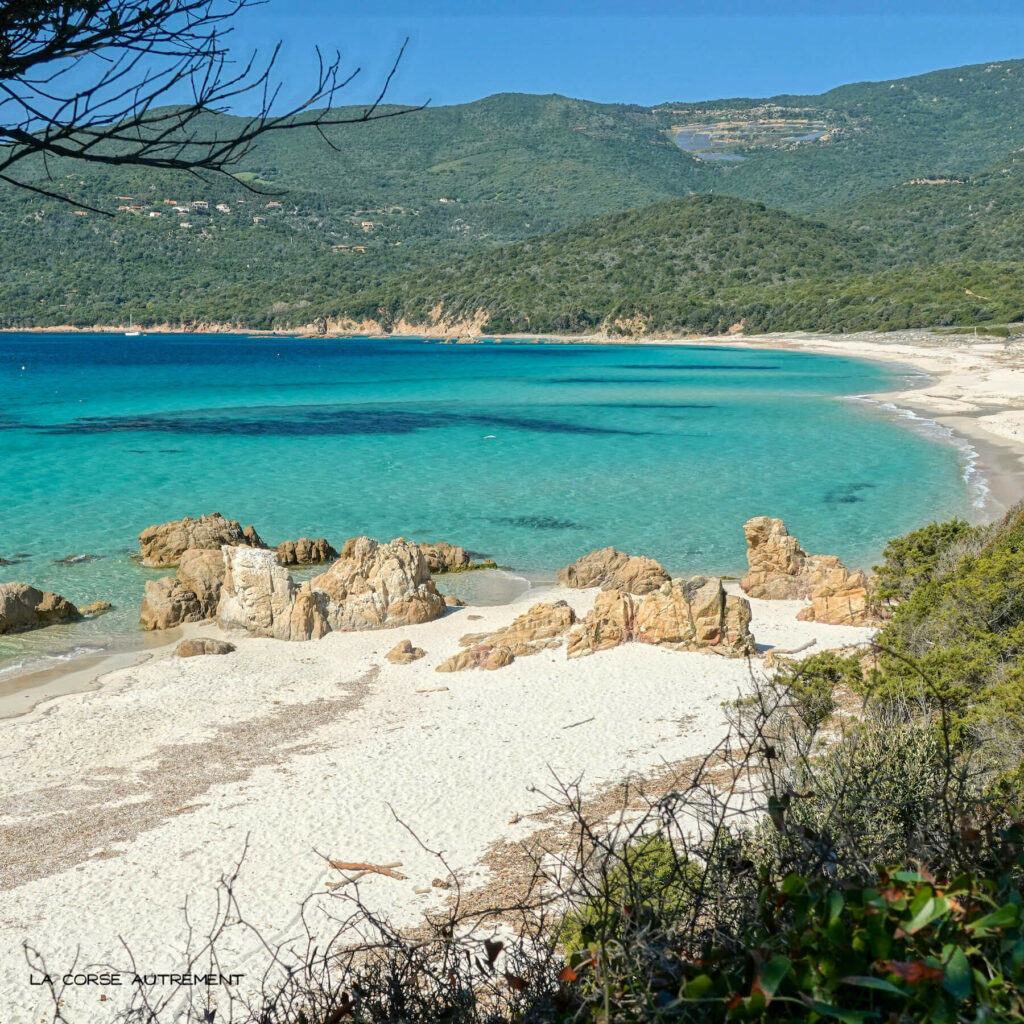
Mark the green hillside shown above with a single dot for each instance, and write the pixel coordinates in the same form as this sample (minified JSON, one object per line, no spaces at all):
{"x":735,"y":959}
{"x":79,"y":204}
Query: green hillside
{"x":496,"y":205}
{"x":942,"y":218}
{"x":672,"y":264}
{"x":948,"y":123}
{"x":700,"y":265}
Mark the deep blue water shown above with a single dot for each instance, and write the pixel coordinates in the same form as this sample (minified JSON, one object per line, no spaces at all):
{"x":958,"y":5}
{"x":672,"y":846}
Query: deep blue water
{"x":531,"y":454}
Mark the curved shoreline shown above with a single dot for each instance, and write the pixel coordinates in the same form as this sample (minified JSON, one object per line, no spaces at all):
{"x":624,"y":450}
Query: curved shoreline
{"x":975,"y":390}
{"x":952,"y":398}
{"x":122,"y":802}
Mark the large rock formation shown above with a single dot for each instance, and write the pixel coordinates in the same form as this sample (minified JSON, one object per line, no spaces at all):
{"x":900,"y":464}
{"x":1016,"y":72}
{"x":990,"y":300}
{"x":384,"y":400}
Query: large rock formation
{"x":779,"y":569}
{"x":614,"y":570}
{"x":841,"y":598}
{"x":543,"y":626}
{"x":685,"y":615}
{"x":305,"y":551}
{"x":378,"y":586}
{"x":24,"y":607}
{"x":190,"y":596}
{"x":370,"y":586}
{"x":165,"y":543}
{"x":260,"y":597}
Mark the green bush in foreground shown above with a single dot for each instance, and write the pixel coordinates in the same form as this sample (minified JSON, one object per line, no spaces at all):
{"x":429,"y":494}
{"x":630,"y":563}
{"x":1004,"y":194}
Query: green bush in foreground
{"x":904,"y":947}
{"x":958,"y":639}
{"x":910,"y":561}
{"x":812,"y":683}
{"x":648,"y":882}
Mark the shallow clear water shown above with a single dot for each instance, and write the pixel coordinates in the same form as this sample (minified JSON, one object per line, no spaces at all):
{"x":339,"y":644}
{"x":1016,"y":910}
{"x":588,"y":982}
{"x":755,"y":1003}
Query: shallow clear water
{"x":530,"y":454}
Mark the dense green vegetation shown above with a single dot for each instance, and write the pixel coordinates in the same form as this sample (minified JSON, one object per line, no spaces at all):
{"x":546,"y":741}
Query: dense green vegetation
{"x":958,"y":638}
{"x":701,"y":265}
{"x":552,"y":214}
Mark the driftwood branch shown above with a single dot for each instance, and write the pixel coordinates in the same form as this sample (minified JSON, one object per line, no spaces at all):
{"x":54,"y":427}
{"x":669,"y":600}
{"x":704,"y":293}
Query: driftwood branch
{"x":366,"y":868}
{"x":795,"y":650}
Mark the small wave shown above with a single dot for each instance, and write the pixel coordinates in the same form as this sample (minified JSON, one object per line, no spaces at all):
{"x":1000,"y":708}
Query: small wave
{"x":972,"y":475}
{"x":40,"y":662}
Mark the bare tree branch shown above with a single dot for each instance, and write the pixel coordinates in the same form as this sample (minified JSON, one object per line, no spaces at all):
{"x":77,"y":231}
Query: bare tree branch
{"x":90,"y":81}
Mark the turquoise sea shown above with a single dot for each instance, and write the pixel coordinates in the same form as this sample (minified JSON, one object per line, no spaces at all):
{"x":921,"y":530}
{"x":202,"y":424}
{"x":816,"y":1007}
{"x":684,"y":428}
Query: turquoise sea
{"x":530,"y":454}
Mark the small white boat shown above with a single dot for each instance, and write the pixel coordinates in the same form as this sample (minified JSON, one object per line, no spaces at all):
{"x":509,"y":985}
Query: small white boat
{"x":131,"y":333}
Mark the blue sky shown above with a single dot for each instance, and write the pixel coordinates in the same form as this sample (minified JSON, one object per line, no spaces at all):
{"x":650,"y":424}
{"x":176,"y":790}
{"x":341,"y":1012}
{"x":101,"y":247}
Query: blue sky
{"x":642,"y":52}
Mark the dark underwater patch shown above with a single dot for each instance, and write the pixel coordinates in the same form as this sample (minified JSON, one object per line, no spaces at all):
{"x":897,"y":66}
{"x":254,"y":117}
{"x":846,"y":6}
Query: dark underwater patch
{"x":643,"y":405}
{"x":314,"y":421}
{"x":549,"y":426}
{"x":606,"y":380}
{"x":540,"y":522}
{"x":847,"y":495}
{"x":249,"y":423}
{"x":693,"y":366}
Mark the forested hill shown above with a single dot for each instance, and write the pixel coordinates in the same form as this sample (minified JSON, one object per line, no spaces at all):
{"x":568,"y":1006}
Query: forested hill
{"x":702,"y":265}
{"x":948,"y":123}
{"x":660,"y":264}
{"x":916,"y":180}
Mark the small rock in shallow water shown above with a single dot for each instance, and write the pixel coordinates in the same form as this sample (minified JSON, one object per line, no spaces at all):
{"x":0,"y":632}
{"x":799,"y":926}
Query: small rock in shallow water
{"x":90,"y":611}
{"x":75,"y":559}
{"x":202,"y":645}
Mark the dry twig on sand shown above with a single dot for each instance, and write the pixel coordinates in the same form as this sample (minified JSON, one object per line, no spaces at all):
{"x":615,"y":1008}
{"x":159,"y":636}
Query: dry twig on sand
{"x":366,"y":868}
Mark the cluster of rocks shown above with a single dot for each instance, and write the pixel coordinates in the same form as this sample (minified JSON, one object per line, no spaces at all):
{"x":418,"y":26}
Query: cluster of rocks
{"x":164,"y":544}
{"x":228,"y":573}
{"x":444,"y":557}
{"x":370,"y":586}
{"x":639,"y":602}
{"x":780,"y":570}
{"x":305,"y":551}
{"x":684,"y":615}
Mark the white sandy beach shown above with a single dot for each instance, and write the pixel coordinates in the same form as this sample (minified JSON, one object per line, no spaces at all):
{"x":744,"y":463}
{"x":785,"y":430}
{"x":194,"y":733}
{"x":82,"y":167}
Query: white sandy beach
{"x":121,"y":801}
